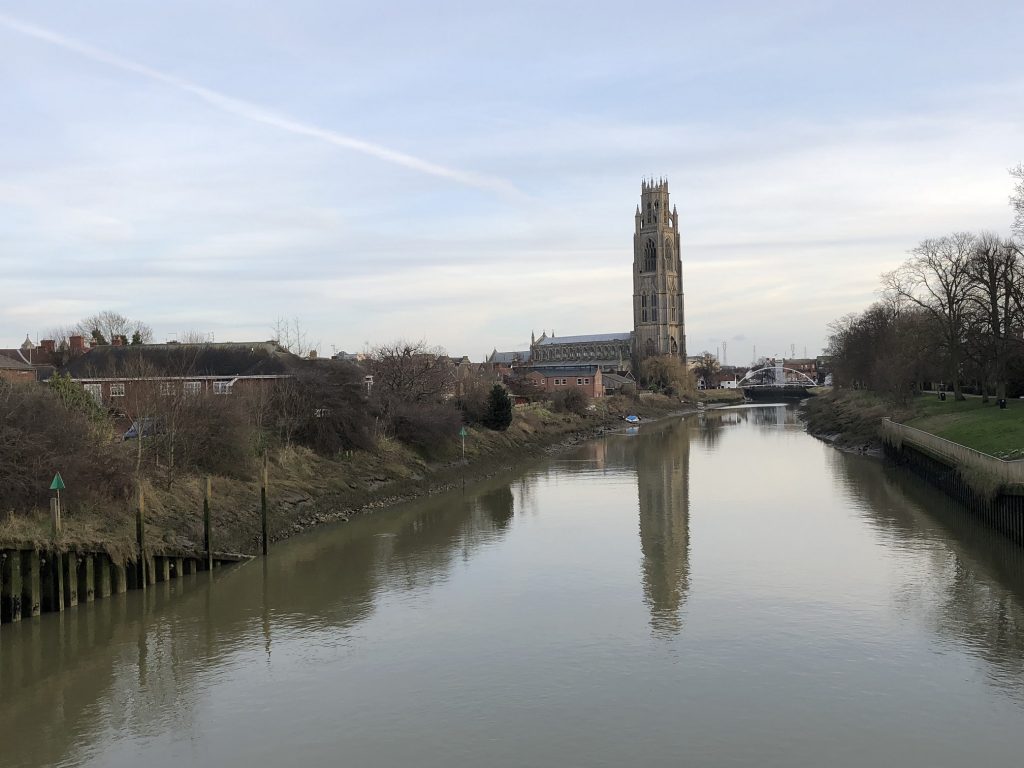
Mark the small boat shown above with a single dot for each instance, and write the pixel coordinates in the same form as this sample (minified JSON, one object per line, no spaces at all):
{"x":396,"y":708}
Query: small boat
{"x":633,"y":419}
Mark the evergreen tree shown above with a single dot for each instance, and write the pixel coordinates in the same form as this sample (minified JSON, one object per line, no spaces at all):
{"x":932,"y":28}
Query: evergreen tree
{"x":498,"y":415}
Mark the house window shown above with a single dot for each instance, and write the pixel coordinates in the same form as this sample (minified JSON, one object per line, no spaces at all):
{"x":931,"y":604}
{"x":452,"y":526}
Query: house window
{"x":166,"y":388}
{"x":96,"y":390}
{"x":117,"y":390}
{"x":193,"y":387}
{"x":579,"y":382}
{"x":222,"y":387}
{"x":586,"y":381}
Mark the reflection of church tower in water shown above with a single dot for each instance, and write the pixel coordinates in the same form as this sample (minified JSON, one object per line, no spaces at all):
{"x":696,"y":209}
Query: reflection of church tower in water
{"x":663,"y":476}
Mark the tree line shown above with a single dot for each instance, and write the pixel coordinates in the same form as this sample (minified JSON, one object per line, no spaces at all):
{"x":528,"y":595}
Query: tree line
{"x":952,"y":314}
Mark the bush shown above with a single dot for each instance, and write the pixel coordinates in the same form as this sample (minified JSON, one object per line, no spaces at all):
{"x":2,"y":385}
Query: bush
{"x":39,"y":436}
{"x":323,"y":408}
{"x":498,"y":415}
{"x":428,"y":427}
{"x":572,"y":400}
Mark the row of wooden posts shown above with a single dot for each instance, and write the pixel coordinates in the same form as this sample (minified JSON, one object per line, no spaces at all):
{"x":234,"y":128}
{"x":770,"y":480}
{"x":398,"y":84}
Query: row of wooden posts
{"x":40,"y":580}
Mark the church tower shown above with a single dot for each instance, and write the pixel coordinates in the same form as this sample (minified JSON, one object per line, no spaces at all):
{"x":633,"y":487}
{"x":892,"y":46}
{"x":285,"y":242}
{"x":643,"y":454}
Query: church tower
{"x":658,"y":327}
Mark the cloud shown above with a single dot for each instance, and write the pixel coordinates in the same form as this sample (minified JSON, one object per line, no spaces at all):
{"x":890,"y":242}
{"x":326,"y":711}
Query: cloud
{"x":258,"y":114}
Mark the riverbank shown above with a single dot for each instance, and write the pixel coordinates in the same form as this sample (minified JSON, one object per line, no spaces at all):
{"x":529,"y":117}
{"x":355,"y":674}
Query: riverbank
{"x":306,"y":490}
{"x":851,"y":419}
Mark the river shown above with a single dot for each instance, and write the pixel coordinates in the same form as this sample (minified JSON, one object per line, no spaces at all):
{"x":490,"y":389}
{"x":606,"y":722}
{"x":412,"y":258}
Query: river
{"x":715,"y":590}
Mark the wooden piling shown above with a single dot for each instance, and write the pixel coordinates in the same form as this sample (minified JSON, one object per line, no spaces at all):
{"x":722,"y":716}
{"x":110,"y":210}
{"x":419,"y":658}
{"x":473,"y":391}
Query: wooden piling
{"x":52,"y":578}
{"x":55,"y":522}
{"x":118,"y":578}
{"x":86,"y":578}
{"x":163,"y":568}
{"x":102,"y":571}
{"x":140,"y":537}
{"x":31,"y":585}
{"x":179,"y":567}
{"x":207,"y":539}
{"x":150,"y":562}
{"x":10,"y":585}
{"x":263,"y":507}
{"x":190,"y":566}
{"x":70,"y":573}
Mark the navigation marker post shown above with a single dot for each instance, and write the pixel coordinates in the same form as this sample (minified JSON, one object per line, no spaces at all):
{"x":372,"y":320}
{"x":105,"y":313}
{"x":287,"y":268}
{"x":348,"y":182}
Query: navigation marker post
{"x":462,"y":434}
{"x":58,"y":486}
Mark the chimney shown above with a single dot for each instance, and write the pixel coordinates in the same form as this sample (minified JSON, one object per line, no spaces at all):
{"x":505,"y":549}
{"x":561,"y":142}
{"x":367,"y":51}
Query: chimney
{"x":48,"y":345}
{"x":312,"y":354}
{"x":120,"y":340}
{"x":76,"y":344}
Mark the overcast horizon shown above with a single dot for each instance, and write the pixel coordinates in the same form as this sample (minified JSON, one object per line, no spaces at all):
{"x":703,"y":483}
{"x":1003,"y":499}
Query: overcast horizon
{"x":467,"y":174}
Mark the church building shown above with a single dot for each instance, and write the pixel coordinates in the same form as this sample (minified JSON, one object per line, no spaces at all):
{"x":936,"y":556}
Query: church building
{"x":658,"y":326}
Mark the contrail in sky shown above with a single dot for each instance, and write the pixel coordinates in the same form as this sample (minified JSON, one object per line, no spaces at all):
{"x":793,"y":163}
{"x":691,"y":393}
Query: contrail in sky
{"x":258,"y":114}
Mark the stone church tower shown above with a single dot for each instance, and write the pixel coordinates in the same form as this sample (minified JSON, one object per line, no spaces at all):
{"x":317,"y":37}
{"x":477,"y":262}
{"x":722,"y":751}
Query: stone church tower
{"x":658,"y":327}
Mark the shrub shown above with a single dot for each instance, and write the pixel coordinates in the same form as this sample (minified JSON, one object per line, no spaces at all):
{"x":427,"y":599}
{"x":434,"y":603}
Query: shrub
{"x":572,"y":400}
{"x":428,"y":427}
{"x":40,"y":435}
{"x":323,"y":408}
{"x":498,"y":414}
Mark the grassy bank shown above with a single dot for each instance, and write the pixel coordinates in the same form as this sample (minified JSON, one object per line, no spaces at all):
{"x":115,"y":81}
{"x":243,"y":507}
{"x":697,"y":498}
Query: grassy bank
{"x":851,"y":419}
{"x":982,"y":426}
{"x":307,"y":489}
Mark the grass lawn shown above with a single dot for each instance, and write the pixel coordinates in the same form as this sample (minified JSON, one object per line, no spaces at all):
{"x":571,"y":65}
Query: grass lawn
{"x":982,"y":426}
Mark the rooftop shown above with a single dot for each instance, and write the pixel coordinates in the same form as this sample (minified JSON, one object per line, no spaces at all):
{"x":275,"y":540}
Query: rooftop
{"x":586,"y":339}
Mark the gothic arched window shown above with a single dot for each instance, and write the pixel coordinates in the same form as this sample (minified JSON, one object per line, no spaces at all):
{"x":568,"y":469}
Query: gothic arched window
{"x":674,"y":346}
{"x":650,"y":348}
{"x":650,"y":257}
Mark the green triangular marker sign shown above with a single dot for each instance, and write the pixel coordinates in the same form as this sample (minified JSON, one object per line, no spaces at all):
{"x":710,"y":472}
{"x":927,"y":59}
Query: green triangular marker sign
{"x":58,"y":483}
{"x":463,"y":432}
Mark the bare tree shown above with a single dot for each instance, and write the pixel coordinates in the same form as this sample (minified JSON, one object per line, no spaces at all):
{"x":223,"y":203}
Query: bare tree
{"x":708,"y":368}
{"x":108,"y":324}
{"x":193,"y":336}
{"x":937,"y":278}
{"x":1017,"y":200}
{"x":996,"y":277}
{"x":290,"y":335}
{"x":411,"y":373}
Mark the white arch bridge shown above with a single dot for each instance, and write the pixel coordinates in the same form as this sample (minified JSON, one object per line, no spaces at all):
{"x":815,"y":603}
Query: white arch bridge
{"x":774,"y":381}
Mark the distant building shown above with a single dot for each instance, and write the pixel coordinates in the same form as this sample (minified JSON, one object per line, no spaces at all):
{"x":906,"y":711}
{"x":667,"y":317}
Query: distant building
{"x":658,"y":317}
{"x":608,"y":351}
{"x":113,"y":372}
{"x":658,"y":325}
{"x":587,"y":378}
{"x":16,"y":370}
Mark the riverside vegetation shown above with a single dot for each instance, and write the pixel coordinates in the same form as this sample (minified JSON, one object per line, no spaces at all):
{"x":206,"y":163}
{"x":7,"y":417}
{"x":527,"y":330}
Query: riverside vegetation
{"x":331,"y":449}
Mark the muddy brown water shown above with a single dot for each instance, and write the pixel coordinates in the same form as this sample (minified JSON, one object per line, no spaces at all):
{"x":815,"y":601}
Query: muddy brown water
{"x":715,"y":590}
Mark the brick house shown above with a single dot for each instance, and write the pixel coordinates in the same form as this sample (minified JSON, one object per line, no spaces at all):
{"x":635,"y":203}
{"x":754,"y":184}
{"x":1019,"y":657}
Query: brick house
{"x":111,"y":373}
{"x":587,"y":378}
{"x":16,"y":370}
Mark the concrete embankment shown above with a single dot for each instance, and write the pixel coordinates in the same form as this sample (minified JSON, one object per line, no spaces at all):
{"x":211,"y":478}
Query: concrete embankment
{"x":990,"y":488}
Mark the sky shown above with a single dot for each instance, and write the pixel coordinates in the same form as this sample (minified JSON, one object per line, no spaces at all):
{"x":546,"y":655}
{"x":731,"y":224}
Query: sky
{"x":466,"y":173}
